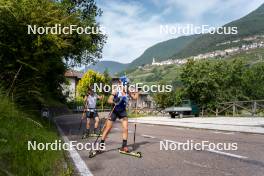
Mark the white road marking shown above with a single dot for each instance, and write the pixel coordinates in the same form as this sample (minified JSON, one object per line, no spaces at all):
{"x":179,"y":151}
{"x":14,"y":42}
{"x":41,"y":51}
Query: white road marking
{"x":172,"y":141}
{"x":177,"y":128}
{"x":129,"y":131}
{"x":195,"y":164}
{"x":77,"y":160}
{"x":117,"y":129}
{"x":203,"y":166}
{"x":215,"y":151}
{"x":220,"y":132}
{"x":227,"y":154}
{"x":148,"y":136}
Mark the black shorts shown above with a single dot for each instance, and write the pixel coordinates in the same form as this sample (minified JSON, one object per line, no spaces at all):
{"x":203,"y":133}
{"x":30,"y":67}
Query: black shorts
{"x":118,"y":114}
{"x":91,"y":114}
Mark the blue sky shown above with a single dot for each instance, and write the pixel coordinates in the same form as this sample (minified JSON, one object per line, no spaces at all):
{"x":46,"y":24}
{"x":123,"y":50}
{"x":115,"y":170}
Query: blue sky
{"x":133,"y":25}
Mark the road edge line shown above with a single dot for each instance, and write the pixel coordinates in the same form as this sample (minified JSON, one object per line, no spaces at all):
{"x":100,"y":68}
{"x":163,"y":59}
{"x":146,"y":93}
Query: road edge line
{"x":76,"y":158}
{"x":214,"y":151}
{"x":227,"y":154}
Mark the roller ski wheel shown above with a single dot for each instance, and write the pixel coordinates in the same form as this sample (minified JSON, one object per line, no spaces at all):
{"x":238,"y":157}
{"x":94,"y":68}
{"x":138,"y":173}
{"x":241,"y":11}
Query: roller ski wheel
{"x":95,"y":135}
{"x":130,"y":153}
{"x":85,"y":136}
{"x":94,"y":153}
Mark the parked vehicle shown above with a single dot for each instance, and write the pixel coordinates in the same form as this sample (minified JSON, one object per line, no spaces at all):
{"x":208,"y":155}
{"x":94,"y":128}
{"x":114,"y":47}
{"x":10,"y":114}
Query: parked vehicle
{"x":187,"y":108}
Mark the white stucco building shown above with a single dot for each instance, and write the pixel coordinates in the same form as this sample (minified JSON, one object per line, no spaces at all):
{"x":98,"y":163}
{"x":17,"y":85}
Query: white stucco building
{"x":70,"y":88}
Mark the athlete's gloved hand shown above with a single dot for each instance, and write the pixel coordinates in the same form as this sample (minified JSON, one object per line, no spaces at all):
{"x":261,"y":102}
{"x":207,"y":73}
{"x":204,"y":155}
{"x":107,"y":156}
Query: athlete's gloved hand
{"x":120,"y":99}
{"x":117,"y":100}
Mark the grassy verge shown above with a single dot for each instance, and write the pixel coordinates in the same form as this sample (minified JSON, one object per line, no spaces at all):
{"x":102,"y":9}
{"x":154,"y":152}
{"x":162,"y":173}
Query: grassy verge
{"x":136,"y":115}
{"x":16,"y":129}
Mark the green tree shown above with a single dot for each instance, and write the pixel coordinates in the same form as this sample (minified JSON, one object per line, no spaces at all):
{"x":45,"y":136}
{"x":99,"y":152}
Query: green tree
{"x":88,"y":80}
{"x":40,"y":60}
{"x":212,"y":81}
{"x":107,"y":76}
{"x":167,"y":99}
{"x":253,"y":82}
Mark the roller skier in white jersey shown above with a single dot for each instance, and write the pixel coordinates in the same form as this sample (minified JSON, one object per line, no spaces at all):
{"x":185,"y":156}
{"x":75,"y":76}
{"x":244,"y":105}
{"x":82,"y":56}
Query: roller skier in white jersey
{"x":91,"y":112}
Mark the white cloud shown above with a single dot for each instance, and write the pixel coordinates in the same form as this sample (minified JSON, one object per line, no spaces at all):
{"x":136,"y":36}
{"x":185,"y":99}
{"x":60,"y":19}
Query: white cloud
{"x":193,"y":9}
{"x":132,"y":27}
{"x":129,"y":32}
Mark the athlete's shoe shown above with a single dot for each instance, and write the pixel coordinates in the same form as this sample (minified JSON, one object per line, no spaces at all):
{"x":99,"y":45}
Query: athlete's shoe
{"x":97,"y":131}
{"x":124,"y":149}
{"x":86,"y":134}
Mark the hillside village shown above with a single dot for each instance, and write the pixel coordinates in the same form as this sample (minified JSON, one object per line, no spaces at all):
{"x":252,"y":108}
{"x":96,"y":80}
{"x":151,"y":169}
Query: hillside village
{"x":257,"y":41}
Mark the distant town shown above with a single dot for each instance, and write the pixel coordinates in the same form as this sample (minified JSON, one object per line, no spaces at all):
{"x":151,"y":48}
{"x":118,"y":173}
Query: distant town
{"x":257,"y":41}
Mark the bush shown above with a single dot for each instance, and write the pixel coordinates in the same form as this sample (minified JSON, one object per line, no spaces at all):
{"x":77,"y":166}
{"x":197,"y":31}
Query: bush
{"x":210,"y":82}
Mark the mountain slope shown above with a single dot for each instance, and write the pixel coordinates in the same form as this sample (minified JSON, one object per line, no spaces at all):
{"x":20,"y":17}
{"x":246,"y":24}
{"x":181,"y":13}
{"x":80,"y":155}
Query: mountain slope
{"x":163,"y":50}
{"x":112,"y":66}
{"x":251,"y":24}
{"x":170,"y":74}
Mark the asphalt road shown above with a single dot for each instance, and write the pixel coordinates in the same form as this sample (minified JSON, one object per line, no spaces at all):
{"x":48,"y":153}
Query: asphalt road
{"x":248,"y":159}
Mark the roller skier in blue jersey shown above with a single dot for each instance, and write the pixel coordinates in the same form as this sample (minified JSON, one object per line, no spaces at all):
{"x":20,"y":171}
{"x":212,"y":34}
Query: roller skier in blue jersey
{"x":119,"y":99}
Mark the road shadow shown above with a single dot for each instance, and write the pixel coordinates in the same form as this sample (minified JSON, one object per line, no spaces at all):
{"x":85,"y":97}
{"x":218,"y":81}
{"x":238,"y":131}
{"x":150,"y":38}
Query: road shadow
{"x":138,"y":144}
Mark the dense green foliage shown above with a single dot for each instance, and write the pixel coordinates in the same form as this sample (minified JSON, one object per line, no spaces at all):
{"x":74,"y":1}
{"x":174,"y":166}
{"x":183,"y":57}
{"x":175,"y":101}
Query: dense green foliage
{"x":40,"y":60}
{"x":167,"y":99}
{"x":32,"y":70}
{"x":16,"y":129}
{"x":213,"y":81}
{"x":89,"y":79}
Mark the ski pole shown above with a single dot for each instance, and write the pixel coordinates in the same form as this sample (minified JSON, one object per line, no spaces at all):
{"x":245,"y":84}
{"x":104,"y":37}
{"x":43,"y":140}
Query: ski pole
{"x":134,"y":144}
{"x":135,"y":125}
{"x":80,"y":126}
{"x":109,"y":115}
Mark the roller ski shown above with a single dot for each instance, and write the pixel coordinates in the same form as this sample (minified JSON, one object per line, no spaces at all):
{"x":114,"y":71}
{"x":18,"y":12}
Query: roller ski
{"x":85,"y":135}
{"x":94,"y":153}
{"x":91,"y":135}
{"x":95,"y":135}
{"x":125,"y":151}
